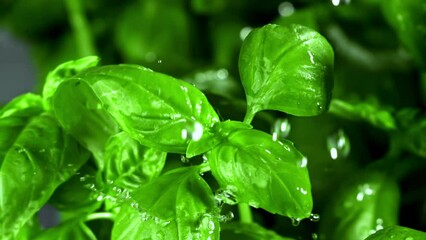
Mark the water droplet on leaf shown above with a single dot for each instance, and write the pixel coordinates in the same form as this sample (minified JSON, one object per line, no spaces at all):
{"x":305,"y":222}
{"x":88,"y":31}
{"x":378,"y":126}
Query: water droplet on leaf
{"x":338,"y":145}
{"x":280,"y":129}
{"x":226,"y":196}
{"x":193,"y":131}
{"x":295,"y":221}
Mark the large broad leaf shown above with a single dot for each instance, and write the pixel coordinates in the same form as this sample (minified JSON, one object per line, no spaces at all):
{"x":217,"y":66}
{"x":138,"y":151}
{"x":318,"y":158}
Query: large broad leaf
{"x":13,"y":118}
{"x":367,"y":204}
{"x":248,"y":231}
{"x":263,"y":173}
{"x":128,"y":164}
{"x":408,"y":18}
{"x":155,"y":109}
{"x":397,"y":232}
{"x":287,"y":69}
{"x":63,"y":71}
{"x":41,"y":158}
{"x":177,"y":205}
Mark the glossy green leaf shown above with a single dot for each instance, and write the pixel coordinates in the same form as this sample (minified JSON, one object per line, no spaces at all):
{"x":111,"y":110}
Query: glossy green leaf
{"x":263,"y":173}
{"x":13,"y":118}
{"x":74,"y":196}
{"x":63,"y":71}
{"x":69,"y":230}
{"x":413,"y":138}
{"x":248,"y":231}
{"x":179,"y":205}
{"x":128,"y":164}
{"x":41,"y":158}
{"x":288,"y":69}
{"x":363,"y":206}
{"x":397,"y":232}
{"x":155,"y":109}
{"x":408,"y":18}
{"x":368,"y":111}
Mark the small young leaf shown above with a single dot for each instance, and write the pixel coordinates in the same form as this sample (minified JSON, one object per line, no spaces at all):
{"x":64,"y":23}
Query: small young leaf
{"x":248,"y":231}
{"x":128,"y":164}
{"x":367,"y":111}
{"x":177,"y":205}
{"x":288,"y":69}
{"x":69,"y":230}
{"x":62,"y":72}
{"x":41,"y":158}
{"x":155,"y":109}
{"x":365,"y":205}
{"x":74,"y":196}
{"x":263,"y":173}
{"x":397,"y":232}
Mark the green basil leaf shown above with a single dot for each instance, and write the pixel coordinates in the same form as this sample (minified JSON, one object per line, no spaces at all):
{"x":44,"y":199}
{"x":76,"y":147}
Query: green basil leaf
{"x":13,"y":118}
{"x":63,"y":71}
{"x":397,"y":232}
{"x":288,"y":69}
{"x":92,"y":126}
{"x":31,"y":228}
{"x":68,"y":230}
{"x":263,"y":173}
{"x":408,"y":18}
{"x":25,"y":105}
{"x":180,"y":205}
{"x":368,"y":111}
{"x":155,"y":109}
{"x":41,"y":158}
{"x":74,"y":196}
{"x":364,"y":205}
{"x":128,"y":164}
{"x":414,"y":138}
{"x":248,"y":231}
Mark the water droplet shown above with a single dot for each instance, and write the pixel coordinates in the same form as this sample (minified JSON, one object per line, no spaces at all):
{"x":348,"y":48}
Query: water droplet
{"x":82,"y":179}
{"x":314,"y":236}
{"x":338,"y":145}
{"x":280,"y":129}
{"x":159,"y":61}
{"x":364,"y":190}
{"x":193,"y":131}
{"x":338,"y":2}
{"x":286,"y":9}
{"x":205,"y":159}
{"x":304,"y":162}
{"x":34,"y":173}
{"x":226,"y":217}
{"x":295,"y":221}
{"x":245,"y":31}
{"x":100,"y":197}
{"x":311,"y":57}
{"x":314,"y":217}
{"x":222,"y":74}
{"x":226,"y":196}
{"x":184,"y":159}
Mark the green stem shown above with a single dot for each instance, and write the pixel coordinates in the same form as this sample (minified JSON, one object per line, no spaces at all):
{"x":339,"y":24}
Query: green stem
{"x":80,"y":28}
{"x":99,"y":215}
{"x":248,"y":118}
{"x":245,"y":213}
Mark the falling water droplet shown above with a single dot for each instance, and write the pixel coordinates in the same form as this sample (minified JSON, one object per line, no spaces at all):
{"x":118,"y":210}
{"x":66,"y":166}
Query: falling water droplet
{"x":184,"y":159}
{"x":280,"y":129}
{"x":314,"y":217}
{"x":222,"y":74}
{"x":314,"y":236}
{"x":338,"y":145}
{"x":295,"y":221}
{"x":286,"y":9}
{"x":226,"y":217}
{"x":245,"y":31}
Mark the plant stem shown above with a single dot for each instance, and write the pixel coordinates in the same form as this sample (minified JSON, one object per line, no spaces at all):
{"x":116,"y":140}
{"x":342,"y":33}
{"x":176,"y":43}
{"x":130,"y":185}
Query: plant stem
{"x":243,"y":208}
{"x":99,"y":215}
{"x":80,"y":27}
{"x":245,"y":213}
